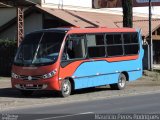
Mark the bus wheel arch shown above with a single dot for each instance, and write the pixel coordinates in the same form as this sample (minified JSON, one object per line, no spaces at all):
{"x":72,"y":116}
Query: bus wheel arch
{"x":67,"y":86}
{"x":72,"y":83}
{"x":121,"y":84}
{"x":126,"y":74}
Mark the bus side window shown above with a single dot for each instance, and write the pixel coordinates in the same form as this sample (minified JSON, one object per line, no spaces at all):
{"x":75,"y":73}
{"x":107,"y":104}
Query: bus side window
{"x":95,"y":45}
{"x":70,"y":51}
{"x":68,"y":46}
{"x":74,"y":48}
{"x":114,"y":45}
{"x":131,"y":45}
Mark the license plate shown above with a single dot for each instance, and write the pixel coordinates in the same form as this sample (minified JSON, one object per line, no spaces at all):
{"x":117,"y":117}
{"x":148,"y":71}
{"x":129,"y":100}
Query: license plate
{"x":29,"y":85}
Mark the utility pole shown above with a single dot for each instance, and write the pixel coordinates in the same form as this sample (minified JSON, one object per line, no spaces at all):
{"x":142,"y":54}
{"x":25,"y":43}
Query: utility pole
{"x":127,"y":6}
{"x":150,"y":35}
{"x":20,"y":24}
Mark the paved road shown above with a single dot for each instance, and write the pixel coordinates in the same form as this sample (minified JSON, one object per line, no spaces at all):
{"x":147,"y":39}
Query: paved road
{"x":149,"y":103}
{"x":10,"y":98}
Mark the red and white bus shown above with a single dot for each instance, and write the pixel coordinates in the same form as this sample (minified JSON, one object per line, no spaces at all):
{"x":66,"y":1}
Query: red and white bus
{"x":67,"y":59}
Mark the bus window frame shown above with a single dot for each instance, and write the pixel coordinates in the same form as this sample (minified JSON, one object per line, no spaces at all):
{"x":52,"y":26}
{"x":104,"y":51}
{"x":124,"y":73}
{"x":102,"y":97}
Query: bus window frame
{"x":97,"y":45}
{"x":66,"y":62}
{"x":138,"y":43}
{"x":75,"y":59}
{"x":114,"y":33}
{"x":123,"y":45}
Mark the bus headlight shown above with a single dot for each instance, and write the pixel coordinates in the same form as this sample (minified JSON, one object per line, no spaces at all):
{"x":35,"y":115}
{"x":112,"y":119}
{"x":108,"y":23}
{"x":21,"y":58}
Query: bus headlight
{"x":49,"y":75}
{"x":13,"y":75}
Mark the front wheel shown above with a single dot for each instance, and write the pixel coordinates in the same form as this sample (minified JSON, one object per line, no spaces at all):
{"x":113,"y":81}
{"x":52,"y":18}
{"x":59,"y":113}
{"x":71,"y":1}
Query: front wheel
{"x":65,"y":88}
{"x":121,"y":83}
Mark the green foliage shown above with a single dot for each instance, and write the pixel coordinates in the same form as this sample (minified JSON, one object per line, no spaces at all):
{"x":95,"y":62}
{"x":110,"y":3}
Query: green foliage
{"x":7,"y":53}
{"x":127,"y":6}
{"x":7,"y":43}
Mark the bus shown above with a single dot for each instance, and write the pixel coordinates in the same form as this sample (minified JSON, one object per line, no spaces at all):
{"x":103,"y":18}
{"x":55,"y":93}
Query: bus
{"x":67,"y":59}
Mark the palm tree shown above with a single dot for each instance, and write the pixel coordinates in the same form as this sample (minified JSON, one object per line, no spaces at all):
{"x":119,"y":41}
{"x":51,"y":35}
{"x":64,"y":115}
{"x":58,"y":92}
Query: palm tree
{"x":127,"y":6}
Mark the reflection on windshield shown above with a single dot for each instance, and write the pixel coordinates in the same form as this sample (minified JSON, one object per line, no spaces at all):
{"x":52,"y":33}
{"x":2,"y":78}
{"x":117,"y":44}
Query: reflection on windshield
{"x":39,"y":48}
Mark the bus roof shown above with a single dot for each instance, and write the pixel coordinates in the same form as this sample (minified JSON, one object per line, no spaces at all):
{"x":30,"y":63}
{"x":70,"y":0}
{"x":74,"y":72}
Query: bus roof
{"x":89,"y":30}
{"x":100,"y":30}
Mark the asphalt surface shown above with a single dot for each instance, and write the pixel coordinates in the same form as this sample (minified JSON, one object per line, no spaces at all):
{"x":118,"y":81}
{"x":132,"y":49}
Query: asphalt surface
{"x":138,"y":104}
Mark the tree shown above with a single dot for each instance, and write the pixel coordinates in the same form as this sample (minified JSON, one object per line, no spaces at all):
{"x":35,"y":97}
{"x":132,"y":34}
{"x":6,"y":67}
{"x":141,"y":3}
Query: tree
{"x":127,"y":6}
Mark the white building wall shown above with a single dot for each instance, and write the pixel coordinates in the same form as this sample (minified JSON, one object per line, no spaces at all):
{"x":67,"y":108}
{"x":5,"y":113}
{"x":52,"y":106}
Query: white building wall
{"x":33,"y":22}
{"x":6,"y":15}
{"x":69,"y":3}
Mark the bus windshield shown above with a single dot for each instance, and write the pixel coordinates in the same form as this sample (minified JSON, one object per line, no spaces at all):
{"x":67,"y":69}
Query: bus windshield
{"x":39,"y":48}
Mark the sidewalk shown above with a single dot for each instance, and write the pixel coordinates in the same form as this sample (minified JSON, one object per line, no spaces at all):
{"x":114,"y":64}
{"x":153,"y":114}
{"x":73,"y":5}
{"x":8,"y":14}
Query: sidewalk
{"x":156,"y":66}
{"x":5,"y":82}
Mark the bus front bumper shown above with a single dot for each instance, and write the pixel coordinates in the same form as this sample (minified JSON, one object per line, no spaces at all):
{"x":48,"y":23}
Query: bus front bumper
{"x":42,"y":84}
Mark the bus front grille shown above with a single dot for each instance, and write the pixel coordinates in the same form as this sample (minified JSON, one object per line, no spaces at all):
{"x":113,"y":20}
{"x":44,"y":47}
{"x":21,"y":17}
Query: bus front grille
{"x":37,"y":77}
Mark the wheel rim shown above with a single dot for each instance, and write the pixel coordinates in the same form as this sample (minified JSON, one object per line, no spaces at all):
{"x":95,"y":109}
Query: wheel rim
{"x":66,"y":88}
{"x":122,"y":82}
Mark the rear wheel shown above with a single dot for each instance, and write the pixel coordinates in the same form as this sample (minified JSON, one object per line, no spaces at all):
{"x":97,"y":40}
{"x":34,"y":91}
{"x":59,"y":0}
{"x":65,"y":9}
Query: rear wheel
{"x":27,"y":92}
{"x":121,"y":83}
{"x":65,"y":88}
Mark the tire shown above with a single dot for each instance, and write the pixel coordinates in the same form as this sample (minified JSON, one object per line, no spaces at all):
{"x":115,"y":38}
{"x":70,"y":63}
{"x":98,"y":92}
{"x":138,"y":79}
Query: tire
{"x":65,"y":88}
{"x":26,"y":92}
{"x":121,"y":83}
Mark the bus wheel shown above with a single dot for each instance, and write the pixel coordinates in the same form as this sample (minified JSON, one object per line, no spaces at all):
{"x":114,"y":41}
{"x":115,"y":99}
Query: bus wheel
{"x":27,"y":92}
{"x":65,"y":88}
{"x":121,"y":83}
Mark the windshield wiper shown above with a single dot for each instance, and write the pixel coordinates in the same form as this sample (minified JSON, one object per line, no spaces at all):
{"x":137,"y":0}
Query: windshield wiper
{"x":36,"y":52}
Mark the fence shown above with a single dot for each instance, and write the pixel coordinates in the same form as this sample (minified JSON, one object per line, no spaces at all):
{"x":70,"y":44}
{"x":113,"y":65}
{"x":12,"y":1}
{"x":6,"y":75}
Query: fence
{"x":7,"y":52}
{"x":146,"y":58}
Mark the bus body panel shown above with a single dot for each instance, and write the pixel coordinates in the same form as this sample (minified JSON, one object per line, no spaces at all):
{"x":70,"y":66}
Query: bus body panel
{"x":69,"y":70}
{"x":53,"y":83}
{"x":34,"y":70}
{"x":100,"y":72}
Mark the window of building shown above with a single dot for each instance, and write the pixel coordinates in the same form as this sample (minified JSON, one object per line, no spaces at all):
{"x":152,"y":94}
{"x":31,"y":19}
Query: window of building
{"x":95,"y":45}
